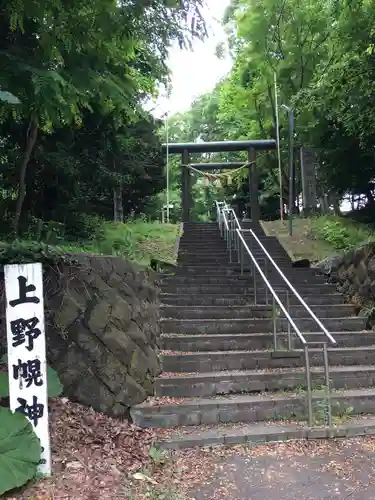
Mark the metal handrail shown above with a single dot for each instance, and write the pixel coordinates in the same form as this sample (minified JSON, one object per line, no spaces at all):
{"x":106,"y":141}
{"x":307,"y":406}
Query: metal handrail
{"x":293,"y":290}
{"x":288,"y":283}
{"x":240,"y":238}
{"x":281,"y":305}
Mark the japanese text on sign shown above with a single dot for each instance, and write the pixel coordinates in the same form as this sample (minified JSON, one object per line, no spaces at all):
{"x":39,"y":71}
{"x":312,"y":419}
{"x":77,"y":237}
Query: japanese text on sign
{"x":27,"y":351}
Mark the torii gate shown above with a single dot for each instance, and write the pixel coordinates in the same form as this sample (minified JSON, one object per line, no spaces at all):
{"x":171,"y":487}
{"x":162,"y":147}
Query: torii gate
{"x":185,"y":149}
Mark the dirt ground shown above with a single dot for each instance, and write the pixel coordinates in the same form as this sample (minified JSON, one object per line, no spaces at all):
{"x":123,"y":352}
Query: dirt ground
{"x":342,"y":470}
{"x":302,"y":244}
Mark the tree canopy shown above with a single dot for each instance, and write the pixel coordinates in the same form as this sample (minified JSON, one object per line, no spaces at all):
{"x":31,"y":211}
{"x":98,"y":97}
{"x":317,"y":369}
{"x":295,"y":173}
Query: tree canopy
{"x":74,"y":132}
{"x":322,"y":54}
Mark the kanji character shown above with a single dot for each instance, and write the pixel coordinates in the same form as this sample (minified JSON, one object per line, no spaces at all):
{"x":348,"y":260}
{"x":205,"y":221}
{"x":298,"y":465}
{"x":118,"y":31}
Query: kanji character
{"x":42,"y":461}
{"x":22,"y":328}
{"x":23,"y":291}
{"x":34,"y":412}
{"x":29,"y":371}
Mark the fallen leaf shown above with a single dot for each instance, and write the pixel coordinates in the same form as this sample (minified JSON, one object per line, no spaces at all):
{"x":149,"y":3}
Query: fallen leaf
{"x":142,"y":477}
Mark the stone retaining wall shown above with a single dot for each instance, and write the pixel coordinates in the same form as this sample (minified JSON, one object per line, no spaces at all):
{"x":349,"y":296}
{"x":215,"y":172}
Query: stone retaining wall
{"x":354,"y":272}
{"x":102,"y":327}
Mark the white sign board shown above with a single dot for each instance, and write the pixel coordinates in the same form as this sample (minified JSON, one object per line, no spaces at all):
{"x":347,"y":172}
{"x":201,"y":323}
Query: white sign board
{"x":27,"y":366}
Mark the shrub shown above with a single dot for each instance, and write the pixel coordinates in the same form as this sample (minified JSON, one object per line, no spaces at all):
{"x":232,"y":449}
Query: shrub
{"x":341,"y":233}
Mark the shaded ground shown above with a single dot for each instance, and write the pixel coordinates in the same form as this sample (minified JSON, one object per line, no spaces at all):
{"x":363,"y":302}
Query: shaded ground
{"x":299,"y":471}
{"x":303,"y":244}
{"x":92,"y":455}
{"x":99,"y":458}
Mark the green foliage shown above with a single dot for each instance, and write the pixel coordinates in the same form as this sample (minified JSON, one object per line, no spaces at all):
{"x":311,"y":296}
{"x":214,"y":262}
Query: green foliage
{"x":24,"y":252}
{"x":19,"y":450}
{"x":138,"y":240}
{"x":322,"y":54}
{"x":55,"y":387}
{"x":342,"y":234}
{"x":81,"y":74}
{"x":157,"y":456}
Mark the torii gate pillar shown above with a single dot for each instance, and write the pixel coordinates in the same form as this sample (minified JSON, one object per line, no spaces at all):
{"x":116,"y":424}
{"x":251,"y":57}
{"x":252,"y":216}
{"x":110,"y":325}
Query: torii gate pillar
{"x":253,"y":186}
{"x":185,"y":188}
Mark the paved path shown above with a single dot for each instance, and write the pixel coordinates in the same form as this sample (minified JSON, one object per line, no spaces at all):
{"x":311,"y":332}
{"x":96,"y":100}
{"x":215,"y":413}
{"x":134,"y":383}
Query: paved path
{"x":343,"y":470}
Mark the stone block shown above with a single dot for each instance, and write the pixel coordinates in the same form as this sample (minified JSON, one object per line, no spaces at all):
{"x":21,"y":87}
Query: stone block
{"x":98,"y":316}
{"x":362,"y":272}
{"x":119,"y":343}
{"x":89,"y":331}
{"x":131,"y":393}
{"x":120,"y":314}
{"x":71,"y":365}
{"x":68,"y":312}
{"x":90,"y":391}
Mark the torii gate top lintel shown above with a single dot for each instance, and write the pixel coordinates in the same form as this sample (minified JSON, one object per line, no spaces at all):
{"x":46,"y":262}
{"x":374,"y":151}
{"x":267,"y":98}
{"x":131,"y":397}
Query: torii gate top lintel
{"x":219,"y":146}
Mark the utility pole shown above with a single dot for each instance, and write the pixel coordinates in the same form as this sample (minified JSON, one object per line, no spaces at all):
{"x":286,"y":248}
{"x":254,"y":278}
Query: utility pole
{"x":167,"y":161}
{"x":291,"y":166}
{"x":278,"y":148}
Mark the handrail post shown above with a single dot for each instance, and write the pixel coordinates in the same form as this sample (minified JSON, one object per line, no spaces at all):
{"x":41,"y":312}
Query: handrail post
{"x":290,"y":347}
{"x":230,"y":240}
{"x":238,"y":247}
{"x":328,"y":384}
{"x":241,"y":259}
{"x":255,"y":285}
{"x":266,"y":273}
{"x":274,"y":323}
{"x":308,"y":383}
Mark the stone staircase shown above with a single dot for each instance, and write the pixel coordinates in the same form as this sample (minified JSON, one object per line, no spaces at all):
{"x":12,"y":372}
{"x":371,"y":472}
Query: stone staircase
{"x":223,"y":381}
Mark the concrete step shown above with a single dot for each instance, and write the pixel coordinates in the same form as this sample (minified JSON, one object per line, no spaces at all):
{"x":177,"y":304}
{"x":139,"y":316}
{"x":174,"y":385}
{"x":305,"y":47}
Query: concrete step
{"x":242,"y":299}
{"x":205,"y":385}
{"x":231,"y":267}
{"x":221,"y":248}
{"x":212,"y":361}
{"x":257,"y":341}
{"x":214,"y":255}
{"x":239,"y":289}
{"x":203,"y":265}
{"x":221,"y":256}
{"x":203,"y":243}
{"x":235,"y":270}
{"x":245,"y":279}
{"x":290,"y":273}
{"x":219,"y":312}
{"x":285,"y":261}
{"x":262,"y":432}
{"x":250,"y":408}
{"x":256,"y":325}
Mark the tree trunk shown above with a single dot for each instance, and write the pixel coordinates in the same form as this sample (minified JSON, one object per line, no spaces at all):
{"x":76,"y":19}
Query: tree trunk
{"x":31,"y":135}
{"x":370,"y":198}
{"x":334,"y":200}
{"x":118,"y":207}
{"x":118,"y":210}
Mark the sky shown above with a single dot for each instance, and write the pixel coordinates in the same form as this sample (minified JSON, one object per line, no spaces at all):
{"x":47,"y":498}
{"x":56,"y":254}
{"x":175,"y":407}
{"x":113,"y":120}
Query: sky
{"x":195,"y":72}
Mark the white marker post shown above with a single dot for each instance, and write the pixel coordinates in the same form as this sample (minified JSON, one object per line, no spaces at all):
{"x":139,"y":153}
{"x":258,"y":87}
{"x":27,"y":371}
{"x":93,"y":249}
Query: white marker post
{"x":27,"y":365}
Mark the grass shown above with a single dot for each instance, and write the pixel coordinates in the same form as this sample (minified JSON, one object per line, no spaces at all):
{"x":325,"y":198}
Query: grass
{"x":137,"y":240}
{"x":319,"y":237}
{"x":341,"y":233}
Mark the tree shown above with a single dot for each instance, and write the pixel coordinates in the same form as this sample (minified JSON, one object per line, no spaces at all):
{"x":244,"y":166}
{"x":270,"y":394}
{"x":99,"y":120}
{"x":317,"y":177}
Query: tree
{"x":71,"y":63}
